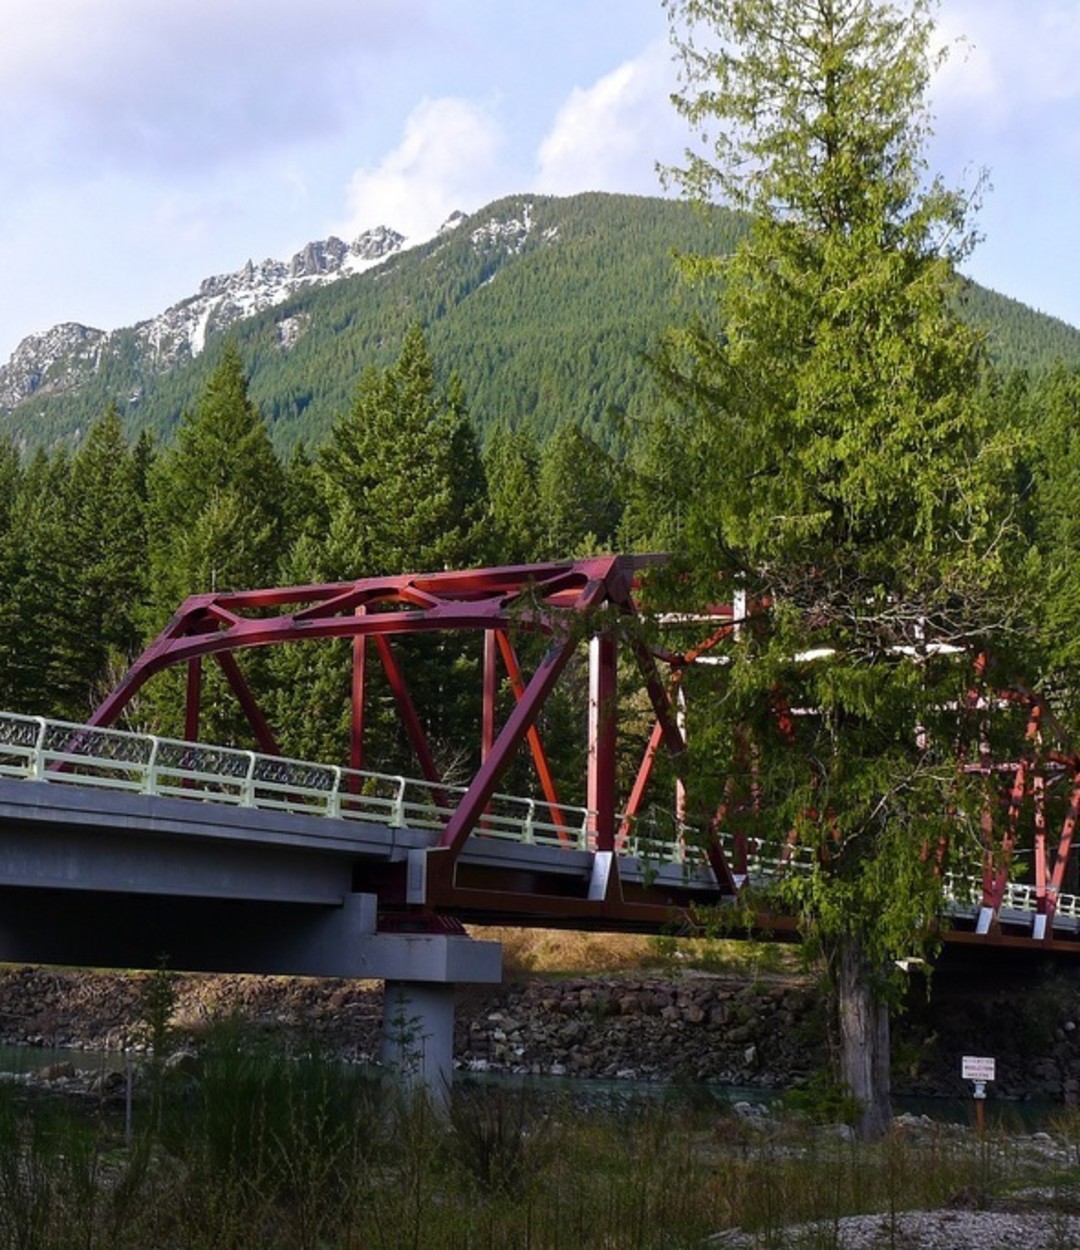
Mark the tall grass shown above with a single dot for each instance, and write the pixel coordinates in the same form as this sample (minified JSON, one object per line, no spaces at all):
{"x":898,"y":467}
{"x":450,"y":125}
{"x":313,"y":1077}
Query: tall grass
{"x":255,"y":1149}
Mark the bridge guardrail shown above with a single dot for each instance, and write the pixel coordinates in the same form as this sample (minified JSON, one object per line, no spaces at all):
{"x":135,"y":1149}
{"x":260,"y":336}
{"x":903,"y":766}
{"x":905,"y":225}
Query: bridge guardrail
{"x":61,"y":752}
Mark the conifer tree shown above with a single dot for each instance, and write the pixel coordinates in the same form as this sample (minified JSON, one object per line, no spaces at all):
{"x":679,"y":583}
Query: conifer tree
{"x":40,"y":633}
{"x":402,"y":476}
{"x":215,"y":518}
{"x":1056,"y":400}
{"x":511,"y":465}
{"x":834,"y":468}
{"x":578,"y":496}
{"x":402,"y":488}
{"x":108,"y":525}
{"x":10,"y":477}
{"x":214,"y":522}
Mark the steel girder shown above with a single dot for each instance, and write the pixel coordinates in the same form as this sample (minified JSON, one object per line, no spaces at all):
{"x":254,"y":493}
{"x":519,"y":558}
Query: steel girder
{"x":572,"y":604}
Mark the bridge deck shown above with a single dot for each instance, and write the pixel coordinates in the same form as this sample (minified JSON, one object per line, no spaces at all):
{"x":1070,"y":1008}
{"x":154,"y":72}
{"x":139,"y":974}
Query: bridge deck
{"x":114,"y":814}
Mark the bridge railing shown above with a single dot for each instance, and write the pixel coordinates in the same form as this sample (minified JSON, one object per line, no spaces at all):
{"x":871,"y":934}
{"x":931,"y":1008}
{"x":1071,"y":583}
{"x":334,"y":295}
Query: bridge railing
{"x":64,"y":753}
{"x":61,"y":752}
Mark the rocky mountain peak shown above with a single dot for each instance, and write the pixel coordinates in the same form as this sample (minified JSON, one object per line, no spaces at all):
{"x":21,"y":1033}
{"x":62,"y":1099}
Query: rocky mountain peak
{"x":51,"y":362}
{"x":61,"y":357}
{"x":67,"y":355}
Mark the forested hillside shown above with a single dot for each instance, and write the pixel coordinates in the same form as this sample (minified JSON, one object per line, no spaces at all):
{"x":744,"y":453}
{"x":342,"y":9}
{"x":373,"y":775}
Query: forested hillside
{"x":463,"y":404}
{"x":98,"y":549}
{"x":545,"y":308}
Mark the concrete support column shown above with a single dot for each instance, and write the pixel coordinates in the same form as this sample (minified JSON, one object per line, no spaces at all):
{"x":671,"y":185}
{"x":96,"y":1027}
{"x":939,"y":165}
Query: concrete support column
{"x":420,"y":972}
{"x":418,"y":1036}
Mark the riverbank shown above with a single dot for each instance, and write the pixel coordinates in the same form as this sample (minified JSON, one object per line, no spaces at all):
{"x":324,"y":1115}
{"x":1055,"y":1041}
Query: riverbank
{"x":766,"y":1031}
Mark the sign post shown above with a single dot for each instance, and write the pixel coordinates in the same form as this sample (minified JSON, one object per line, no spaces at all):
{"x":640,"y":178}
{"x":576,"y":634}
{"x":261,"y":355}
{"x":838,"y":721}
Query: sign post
{"x":979,"y":1070}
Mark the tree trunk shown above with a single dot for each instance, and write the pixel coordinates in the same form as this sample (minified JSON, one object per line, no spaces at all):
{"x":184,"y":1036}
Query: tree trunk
{"x":863,"y":1020}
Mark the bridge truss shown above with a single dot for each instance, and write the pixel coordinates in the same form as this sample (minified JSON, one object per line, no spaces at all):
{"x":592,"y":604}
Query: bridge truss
{"x":584,"y":607}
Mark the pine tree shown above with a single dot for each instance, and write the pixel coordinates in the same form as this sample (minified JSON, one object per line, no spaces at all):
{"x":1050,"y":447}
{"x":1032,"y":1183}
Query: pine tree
{"x":215,"y":496}
{"x":835,"y":467}
{"x":512,"y":464}
{"x":401,"y":486}
{"x":10,"y":480}
{"x":402,"y":475}
{"x":214,"y":522}
{"x":1052,"y":407}
{"x":41,"y":636}
{"x":577,"y":488}
{"x":107,"y":522}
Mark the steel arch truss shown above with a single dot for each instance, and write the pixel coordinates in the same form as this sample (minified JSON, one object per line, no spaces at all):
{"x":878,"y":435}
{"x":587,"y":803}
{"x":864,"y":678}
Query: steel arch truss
{"x":575,"y":604}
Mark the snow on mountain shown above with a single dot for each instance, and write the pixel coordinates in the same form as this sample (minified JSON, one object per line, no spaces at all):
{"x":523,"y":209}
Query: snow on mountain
{"x":51,"y":362}
{"x":511,"y":233}
{"x":61,"y":357}
{"x":67,"y":355}
{"x":225,"y":298}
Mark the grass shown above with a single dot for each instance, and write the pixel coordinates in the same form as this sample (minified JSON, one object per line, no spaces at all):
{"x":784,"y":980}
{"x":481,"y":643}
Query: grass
{"x":555,"y":952}
{"x":258,"y":1150}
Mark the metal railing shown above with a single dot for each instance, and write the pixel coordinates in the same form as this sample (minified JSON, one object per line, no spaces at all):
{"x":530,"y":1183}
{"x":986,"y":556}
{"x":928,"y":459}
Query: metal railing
{"x":63,"y":753}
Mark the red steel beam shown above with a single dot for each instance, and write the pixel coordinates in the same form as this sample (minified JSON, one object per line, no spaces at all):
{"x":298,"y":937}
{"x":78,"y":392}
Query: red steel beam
{"x":413,"y":725}
{"x":263,"y":733}
{"x":532,"y":735}
{"x":356,"y":700}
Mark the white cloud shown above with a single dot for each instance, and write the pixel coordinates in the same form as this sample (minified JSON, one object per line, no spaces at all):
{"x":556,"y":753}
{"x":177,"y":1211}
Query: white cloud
{"x":610,"y":135}
{"x":91,"y":87}
{"x":1009,"y":64}
{"x":447,"y":160}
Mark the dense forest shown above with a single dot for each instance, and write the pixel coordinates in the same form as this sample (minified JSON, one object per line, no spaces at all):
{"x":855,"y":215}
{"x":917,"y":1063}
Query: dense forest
{"x":500,"y":433}
{"x":545,"y":308}
{"x":98,"y":548}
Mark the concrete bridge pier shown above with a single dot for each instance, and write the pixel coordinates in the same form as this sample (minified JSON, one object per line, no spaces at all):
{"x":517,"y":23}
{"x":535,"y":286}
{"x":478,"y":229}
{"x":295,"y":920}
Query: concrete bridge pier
{"x":420,"y":972}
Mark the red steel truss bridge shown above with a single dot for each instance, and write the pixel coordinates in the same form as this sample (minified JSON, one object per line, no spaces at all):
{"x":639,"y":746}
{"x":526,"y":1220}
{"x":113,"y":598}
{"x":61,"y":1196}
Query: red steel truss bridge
{"x":435,"y":854}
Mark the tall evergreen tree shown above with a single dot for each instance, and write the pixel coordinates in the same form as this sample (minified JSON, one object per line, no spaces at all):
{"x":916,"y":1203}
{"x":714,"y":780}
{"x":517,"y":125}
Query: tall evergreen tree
{"x":578,"y":495}
{"x":40,"y":631}
{"x":835,"y":469}
{"x":108,"y":525}
{"x":402,"y":475}
{"x":1055,"y":400}
{"x":511,"y":465}
{"x":214,"y":520}
{"x":215,"y":517}
{"x":10,"y":478}
{"x":402,"y":489}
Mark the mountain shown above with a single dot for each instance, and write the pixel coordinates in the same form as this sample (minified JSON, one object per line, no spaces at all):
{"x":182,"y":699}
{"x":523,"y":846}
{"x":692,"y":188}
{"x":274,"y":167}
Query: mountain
{"x":62,"y":359}
{"x":546,"y":307}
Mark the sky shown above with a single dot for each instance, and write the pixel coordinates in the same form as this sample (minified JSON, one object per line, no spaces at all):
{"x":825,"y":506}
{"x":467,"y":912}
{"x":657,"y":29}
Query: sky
{"x":147,"y":144}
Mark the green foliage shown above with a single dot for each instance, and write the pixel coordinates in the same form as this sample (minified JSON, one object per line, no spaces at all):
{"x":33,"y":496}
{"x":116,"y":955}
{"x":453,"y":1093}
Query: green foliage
{"x":215,"y":522}
{"x":842,"y":475}
{"x":107,"y":513}
{"x":511,"y":465}
{"x":1054,"y":407}
{"x":401,"y":476}
{"x":822,"y":1101}
{"x":578,"y":495}
{"x":71,"y":572}
{"x":548,"y":329}
{"x":159,"y":1000}
{"x":837,"y":466}
{"x":306,"y":1155}
{"x":215,"y":496}
{"x":399,"y":487}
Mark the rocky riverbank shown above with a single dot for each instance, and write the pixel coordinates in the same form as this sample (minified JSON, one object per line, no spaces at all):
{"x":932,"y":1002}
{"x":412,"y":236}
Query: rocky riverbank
{"x":683,"y":1026}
